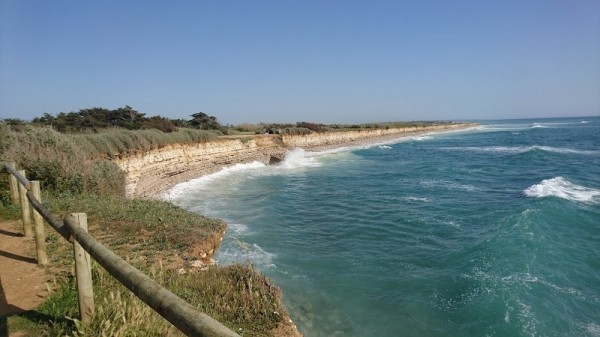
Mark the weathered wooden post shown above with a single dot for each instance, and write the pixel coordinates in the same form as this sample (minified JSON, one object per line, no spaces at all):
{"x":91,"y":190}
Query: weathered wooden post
{"x":83,"y":271}
{"x":38,"y":226}
{"x":25,"y":212}
{"x":13,"y":184}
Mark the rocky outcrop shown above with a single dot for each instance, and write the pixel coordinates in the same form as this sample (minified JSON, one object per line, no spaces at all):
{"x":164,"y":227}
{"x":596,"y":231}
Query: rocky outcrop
{"x":152,"y":173}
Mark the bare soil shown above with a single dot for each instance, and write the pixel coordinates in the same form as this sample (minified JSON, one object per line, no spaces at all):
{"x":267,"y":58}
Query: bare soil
{"x":22,"y":281}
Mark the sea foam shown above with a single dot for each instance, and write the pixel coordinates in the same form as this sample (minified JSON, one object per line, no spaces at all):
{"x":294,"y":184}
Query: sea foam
{"x":185,"y":187}
{"x":562,"y":188}
{"x":522,"y":149}
{"x":298,"y":158}
{"x":239,"y":251}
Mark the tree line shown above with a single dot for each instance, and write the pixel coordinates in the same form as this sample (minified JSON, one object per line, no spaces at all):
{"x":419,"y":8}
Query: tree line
{"x":125,"y":117}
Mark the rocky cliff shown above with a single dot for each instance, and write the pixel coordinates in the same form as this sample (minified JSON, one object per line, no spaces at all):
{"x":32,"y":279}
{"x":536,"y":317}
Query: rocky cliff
{"x":152,"y":173}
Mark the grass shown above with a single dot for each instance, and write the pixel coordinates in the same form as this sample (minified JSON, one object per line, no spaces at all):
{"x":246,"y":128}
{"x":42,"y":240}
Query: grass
{"x":235,"y":295}
{"x":114,"y":142}
{"x":156,"y":237}
{"x":145,"y":230}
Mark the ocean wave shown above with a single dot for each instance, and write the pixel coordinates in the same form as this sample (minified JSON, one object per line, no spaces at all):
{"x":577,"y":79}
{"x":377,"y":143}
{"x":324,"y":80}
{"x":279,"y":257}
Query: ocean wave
{"x":447,"y":185}
{"x":237,"y":228}
{"x":238,"y":251}
{"x":298,"y":158}
{"x":415,"y":199}
{"x":182,"y":188}
{"x":501,"y":127}
{"x":593,"y":329}
{"x":562,"y":188}
{"x":384,"y":147}
{"x":423,"y":138}
{"x":522,"y":149}
{"x":537,"y":125}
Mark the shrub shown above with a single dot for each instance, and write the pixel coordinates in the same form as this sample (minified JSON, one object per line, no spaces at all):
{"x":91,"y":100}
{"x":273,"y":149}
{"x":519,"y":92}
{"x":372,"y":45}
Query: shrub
{"x":58,"y":162}
{"x":297,"y":131}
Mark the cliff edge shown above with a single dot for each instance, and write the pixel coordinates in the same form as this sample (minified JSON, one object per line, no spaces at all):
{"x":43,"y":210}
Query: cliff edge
{"x":152,"y":173}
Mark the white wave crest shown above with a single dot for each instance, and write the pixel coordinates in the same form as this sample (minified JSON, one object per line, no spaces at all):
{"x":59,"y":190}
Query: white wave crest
{"x":537,"y":125}
{"x":522,"y":149}
{"x":384,"y":147}
{"x":185,"y":187}
{"x":593,"y":329}
{"x":239,"y":251}
{"x":297,"y":158}
{"x":562,"y":188}
{"x":416,"y":199}
{"x":423,"y":138}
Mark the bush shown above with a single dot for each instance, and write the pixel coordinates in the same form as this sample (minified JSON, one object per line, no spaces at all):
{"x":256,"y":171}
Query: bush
{"x":58,"y":162}
{"x":297,"y":131}
{"x":311,"y":126}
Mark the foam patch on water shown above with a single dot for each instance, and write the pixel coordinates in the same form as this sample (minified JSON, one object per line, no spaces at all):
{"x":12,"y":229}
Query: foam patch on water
{"x":384,"y":147}
{"x":237,"y":229}
{"x":500,"y":127}
{"x":424,"y":137}
{"x":294,"y":159}
{"x":561,"y":188}
{"x":449,"y":185}
{"x":297,"y":158}
{"x":238,"y":251}
{"x":185,"y":187}
{"x":537,"y":126}
{"x":593,"y":329}
{"x":415,"y":199}
{"x":522,"y":149}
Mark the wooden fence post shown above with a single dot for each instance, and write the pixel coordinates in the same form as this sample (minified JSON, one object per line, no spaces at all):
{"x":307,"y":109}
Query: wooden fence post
{"x":25,"y":212}
{"x":14,"y":187}
{"x":38,"y":226}
{"x":83,"y":272}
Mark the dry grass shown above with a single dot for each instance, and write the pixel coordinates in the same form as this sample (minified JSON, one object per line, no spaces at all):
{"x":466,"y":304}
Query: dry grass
{"x":58,"y":162}
{"x":151,"y":235}
{"x":158,"y":238}
{"x":110,"y":143}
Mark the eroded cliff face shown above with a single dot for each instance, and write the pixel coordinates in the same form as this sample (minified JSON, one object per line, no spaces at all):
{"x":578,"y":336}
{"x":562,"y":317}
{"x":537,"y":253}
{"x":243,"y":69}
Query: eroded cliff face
{"x":152,"y":173}
{"x":319,"y":140}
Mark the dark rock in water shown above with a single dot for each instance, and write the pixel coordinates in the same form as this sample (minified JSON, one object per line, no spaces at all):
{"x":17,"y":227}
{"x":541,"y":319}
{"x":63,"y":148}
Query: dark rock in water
{"x":275,"y":160}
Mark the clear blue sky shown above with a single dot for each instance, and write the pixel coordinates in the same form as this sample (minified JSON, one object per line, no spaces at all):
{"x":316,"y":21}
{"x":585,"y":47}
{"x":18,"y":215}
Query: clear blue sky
{"x":288,"y":61}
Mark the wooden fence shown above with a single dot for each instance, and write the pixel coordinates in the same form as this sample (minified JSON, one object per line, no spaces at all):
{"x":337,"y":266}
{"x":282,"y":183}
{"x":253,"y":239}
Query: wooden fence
{"x":74,"y":229}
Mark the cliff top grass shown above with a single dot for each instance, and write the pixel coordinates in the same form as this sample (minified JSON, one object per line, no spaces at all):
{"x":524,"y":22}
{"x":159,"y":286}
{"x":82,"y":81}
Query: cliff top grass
{"x":113,"y":142}
{"x":158,"y":238}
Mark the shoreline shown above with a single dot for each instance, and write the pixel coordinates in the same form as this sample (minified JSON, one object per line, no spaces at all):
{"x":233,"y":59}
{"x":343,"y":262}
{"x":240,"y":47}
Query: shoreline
{"x":150,"y":175}
{"x":159,"y":171}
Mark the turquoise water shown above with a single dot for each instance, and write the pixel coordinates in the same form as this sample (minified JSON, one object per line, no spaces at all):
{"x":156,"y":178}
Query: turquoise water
{"x":493,"y":231}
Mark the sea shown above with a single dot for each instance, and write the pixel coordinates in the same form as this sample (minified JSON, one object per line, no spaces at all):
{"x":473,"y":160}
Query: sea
{"x":489,"y":231}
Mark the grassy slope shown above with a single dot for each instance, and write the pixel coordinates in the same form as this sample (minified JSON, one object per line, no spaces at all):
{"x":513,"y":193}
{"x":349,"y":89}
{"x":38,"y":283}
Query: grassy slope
{"x":156,"y":237}
{"x":236,"y":295}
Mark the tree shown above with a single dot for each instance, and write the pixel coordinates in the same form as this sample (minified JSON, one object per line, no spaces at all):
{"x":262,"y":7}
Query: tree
{"x":205,"y":122}
{"x":158,"y":122}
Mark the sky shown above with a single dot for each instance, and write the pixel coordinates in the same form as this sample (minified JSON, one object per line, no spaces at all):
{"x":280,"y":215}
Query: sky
{"x":333,"y":61}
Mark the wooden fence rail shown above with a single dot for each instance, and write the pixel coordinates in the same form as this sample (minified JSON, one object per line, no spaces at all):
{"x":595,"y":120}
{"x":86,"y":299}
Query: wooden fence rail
{"x":177,"y":311}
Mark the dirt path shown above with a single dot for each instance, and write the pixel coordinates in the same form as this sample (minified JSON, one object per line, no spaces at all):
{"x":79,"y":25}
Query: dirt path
{"x":22,"y":282}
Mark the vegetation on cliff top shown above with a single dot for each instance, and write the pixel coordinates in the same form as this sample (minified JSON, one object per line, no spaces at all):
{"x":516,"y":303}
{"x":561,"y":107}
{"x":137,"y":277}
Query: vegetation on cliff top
{"x":157,"y":237}
{"x":98,"y":119}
